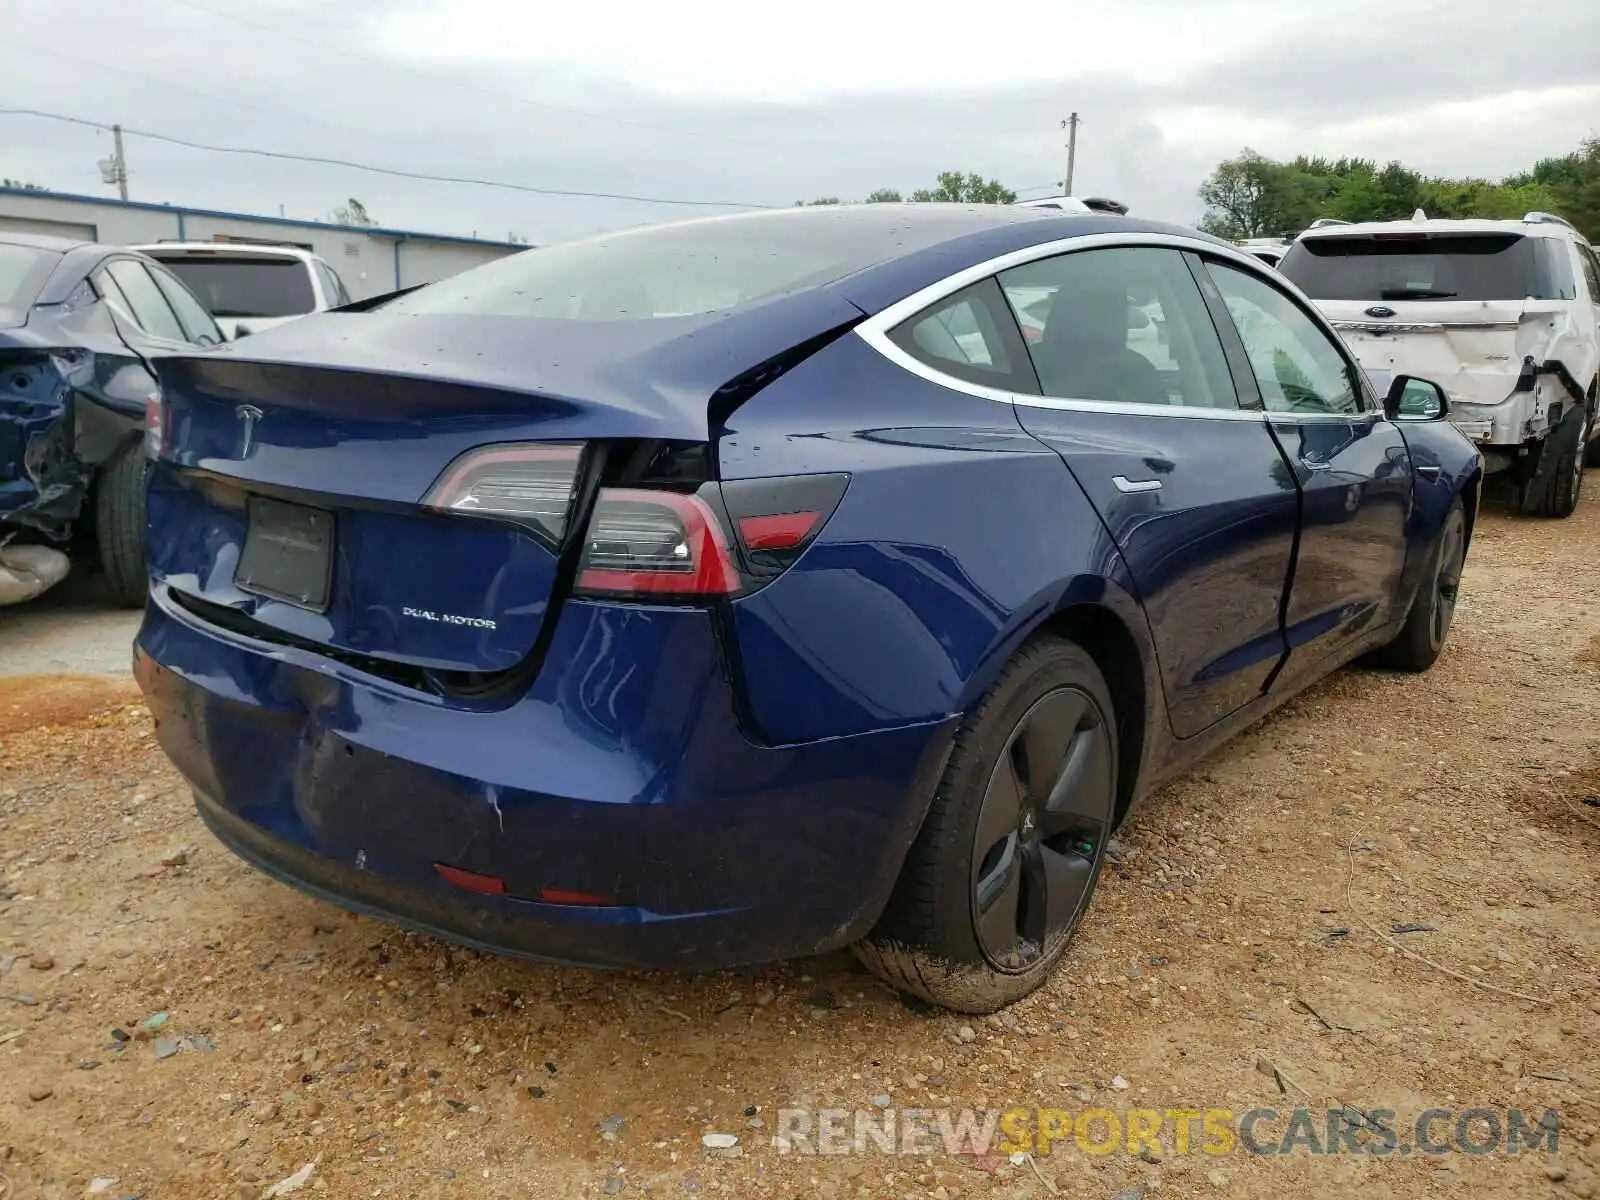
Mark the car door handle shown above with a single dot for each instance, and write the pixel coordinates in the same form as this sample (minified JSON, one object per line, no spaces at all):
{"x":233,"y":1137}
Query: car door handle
{"x":1124,"y":484}
{"x":1315,"y":464}
{"x":1429,"y":473}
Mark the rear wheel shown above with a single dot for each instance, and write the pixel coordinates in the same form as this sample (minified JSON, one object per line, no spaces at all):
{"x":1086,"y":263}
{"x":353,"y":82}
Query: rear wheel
{"x":1591,"y":451}
{"x":1558,"y":478}
{"x":1004,"y":866}
{"x":1422,"y":637}
{"x":119,"y":521}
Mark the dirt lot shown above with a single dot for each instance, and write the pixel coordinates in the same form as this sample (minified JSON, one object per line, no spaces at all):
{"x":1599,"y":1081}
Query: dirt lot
{"x":1212,"y":967}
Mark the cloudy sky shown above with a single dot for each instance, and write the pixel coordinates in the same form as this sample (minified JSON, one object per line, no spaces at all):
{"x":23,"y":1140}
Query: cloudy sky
{"x":764,"y":104}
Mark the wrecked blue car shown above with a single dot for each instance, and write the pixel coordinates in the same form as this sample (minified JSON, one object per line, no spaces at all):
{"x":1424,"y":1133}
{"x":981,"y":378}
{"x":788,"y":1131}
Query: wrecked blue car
{"x":80,"y":324}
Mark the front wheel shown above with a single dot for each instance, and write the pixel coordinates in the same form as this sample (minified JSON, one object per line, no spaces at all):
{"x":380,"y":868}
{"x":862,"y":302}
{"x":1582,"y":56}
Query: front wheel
{"x":1005,"y":863}
{"x":1422,"y":637}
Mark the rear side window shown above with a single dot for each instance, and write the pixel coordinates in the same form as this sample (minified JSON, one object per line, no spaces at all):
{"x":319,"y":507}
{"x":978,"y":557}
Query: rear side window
{"x":1125,"y":326}
{"x":246,"y":286}
{"x":970,"y":336}
{"x":150,"y":310}
{"x":23,"y":271}
{"x":1422,"y":266}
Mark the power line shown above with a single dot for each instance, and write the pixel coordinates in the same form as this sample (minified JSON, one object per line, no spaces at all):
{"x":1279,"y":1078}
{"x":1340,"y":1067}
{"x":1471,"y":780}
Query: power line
{"x":390,"y":64}
{"x":393,"y":172}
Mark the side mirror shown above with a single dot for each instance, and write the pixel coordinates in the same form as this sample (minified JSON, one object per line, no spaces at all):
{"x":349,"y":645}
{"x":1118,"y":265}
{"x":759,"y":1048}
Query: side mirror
{"x":1413,"y":399}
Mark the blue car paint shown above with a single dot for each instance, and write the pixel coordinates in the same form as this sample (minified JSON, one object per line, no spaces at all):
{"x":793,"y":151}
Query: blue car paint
{"x":705,"y":834}
{"x":735,"y":777}
{"x":506,"y":573}
{"x":894,"y":613}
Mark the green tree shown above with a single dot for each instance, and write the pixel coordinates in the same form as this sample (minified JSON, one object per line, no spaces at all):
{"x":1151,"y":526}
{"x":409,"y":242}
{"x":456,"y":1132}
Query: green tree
{"x":953,"y":188}
{"x":22,"y":185}
{"x":1575,"y":188}
{"x":1251,"y":196}
{"x":956,"y":188}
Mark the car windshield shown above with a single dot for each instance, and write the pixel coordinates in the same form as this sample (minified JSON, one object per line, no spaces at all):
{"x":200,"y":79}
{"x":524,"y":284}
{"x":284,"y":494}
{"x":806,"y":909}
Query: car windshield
{"x":23,"y":270}
{"x":1419,"y":266}
{"x":681,"y":270}
{"x":253,"y":286}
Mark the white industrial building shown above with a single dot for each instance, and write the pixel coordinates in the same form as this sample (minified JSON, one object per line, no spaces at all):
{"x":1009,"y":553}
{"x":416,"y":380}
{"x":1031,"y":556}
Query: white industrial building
{"x":371,"y":260}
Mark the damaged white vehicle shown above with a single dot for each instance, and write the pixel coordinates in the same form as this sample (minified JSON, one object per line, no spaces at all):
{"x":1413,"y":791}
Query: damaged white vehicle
{"x":1504,"y":314}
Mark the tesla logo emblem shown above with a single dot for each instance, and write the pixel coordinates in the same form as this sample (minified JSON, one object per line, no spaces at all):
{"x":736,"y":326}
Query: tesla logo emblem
{"x":1380,"y":310}
{"x":249,"y":414}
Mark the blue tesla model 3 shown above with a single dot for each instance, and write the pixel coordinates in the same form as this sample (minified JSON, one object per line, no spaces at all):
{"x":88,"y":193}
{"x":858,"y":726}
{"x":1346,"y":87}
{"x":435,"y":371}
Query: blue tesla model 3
{"x":748,"y":587}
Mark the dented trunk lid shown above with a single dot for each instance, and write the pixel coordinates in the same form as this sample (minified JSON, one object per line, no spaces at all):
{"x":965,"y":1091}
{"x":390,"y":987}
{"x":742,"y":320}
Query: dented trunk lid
{"x":355,"y":416}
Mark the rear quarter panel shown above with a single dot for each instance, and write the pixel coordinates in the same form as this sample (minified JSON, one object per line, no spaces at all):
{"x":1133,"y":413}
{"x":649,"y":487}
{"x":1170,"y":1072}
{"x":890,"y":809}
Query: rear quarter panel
{"x":959,"y":535}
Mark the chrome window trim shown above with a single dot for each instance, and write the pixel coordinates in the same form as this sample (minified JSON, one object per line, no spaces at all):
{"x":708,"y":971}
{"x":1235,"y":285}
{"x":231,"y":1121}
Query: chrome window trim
{"x":875,"y":329}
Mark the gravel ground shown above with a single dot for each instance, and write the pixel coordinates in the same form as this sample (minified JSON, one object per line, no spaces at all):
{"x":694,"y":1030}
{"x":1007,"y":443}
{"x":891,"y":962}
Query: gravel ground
{"x":1239,"y":955}
{"x":71,"y":629}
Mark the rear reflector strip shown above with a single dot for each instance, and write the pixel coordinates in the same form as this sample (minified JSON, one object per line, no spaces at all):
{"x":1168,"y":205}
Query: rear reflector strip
{"x":471,"y":881}
{"x":584,"y":899}
{"x":493,"y":885}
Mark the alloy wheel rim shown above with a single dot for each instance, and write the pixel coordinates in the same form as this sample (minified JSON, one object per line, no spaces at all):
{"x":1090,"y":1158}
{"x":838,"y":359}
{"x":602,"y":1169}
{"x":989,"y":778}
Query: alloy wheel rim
{"x":1042,"y":829}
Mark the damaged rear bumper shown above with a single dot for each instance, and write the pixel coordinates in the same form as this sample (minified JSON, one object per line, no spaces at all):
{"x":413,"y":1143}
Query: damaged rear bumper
{"x":622,"y":775}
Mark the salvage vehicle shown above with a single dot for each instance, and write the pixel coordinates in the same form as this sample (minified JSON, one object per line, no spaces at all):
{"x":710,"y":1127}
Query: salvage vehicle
{"x":249,"y":288}
{"x":828,"y":611}
{"x":1505,"y":314}
{"x":80,"y":324}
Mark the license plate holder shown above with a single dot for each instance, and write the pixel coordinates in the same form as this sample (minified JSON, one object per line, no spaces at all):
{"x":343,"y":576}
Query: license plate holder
{"x":287,"y":554}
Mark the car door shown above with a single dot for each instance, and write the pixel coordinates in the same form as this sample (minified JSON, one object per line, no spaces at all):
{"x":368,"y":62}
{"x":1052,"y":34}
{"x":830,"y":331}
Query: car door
{"x":1136,"y":396}
{"x":1350,"y":464}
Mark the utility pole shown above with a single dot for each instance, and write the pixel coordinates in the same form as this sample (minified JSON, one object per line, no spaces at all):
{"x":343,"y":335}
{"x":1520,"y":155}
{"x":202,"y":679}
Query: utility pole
{"x":1071,"y":126}
{"x":115,"y":169}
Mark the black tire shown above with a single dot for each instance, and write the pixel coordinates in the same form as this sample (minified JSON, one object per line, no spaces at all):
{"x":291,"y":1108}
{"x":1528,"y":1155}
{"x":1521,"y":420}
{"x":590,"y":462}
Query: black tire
{"x":1422,"y":637}
{"x":1557,"y":480}
{"x":956,"y":905}
{"x":1591,"y":450}
{"x":119,"y":522}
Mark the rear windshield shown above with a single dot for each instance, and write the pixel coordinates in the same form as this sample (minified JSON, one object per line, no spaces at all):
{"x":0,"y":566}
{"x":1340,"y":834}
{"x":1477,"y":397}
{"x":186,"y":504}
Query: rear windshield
{"x":1421,"y":267}
{"x":23,"y":270}
{"x":665,"y":271}
{"x":246,"y":287}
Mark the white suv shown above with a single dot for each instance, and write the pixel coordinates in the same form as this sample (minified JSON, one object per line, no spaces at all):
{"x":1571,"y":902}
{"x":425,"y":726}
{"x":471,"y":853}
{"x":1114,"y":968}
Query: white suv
{"x":247,"y":288}
{"x":1504,"y":314}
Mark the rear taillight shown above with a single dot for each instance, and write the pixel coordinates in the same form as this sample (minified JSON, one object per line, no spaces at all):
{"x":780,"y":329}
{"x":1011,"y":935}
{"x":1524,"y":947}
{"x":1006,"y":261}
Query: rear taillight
{"x":155,"y":424}
{"x":531,"y":483}
{"x":656,"y":544}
